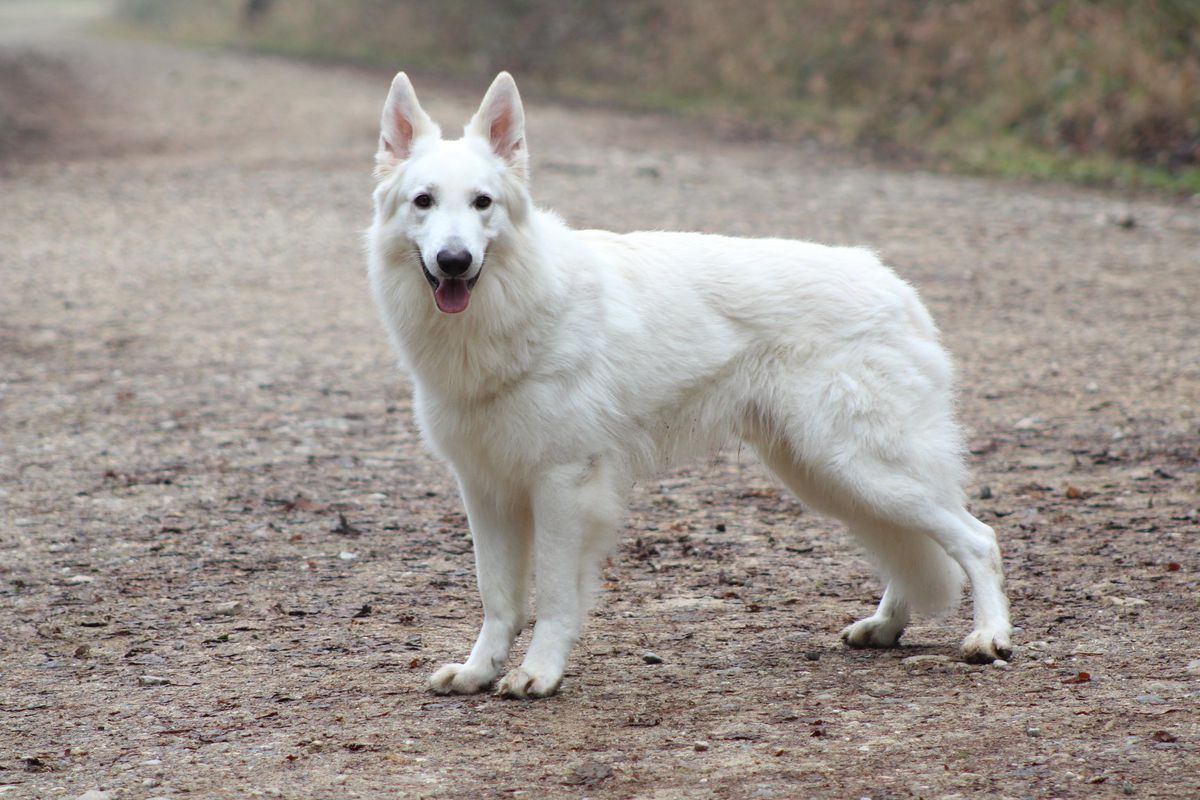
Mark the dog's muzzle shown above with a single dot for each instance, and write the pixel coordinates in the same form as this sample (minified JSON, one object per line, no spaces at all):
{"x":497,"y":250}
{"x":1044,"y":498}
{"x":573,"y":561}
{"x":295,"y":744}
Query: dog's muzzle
{"x":451,"y":294}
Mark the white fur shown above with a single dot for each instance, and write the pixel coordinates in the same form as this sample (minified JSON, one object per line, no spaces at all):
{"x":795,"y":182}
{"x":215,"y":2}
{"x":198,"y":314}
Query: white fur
{"x":586,"y":360}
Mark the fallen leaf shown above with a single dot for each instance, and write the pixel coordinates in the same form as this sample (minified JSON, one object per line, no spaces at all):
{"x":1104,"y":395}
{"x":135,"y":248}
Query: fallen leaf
{"x":302,"y":503}
{"x":1082,"y":677}
{"x":645,"y":720}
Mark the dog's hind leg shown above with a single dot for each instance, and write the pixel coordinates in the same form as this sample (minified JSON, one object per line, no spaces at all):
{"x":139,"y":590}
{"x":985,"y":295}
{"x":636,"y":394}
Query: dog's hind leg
{"x":502,"y":530}
{"x":921,"y":539}
{"x":576,"y":511}
{"x":973,"y":545}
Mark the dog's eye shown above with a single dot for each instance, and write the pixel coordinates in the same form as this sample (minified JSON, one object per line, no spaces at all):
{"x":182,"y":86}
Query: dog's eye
{"x":423,"y":200}
{"x":482,"y":202}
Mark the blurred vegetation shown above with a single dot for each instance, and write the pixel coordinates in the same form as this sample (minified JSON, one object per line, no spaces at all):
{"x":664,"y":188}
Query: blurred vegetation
{"x":1102,"y":91}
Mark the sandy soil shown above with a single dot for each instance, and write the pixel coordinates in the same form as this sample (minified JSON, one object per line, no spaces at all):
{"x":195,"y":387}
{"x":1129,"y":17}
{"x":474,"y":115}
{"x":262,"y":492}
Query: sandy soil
{"x":227,"y":565}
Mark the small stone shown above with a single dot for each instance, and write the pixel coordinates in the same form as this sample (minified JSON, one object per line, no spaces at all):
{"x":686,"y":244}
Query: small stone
{"x":1149,"y":700}
{"x":1194,"y":666}
{"x":1126,"y":602}
{"x":228,"y":609}
{"x":1123,"y":219}
{"x":1000,"y":663}
{"x":347,"y":556}
{"x":985,"y":493}
{"x":1034,"y":732}
{"x":153,"y":680}
{"x":651,"y":658}
{"x":78,"y":580}
{"x":1027,"y":423}
{"x":700,"y":746}
{"x":95,"y":794}
{"x":813,"y":655}
{"x":587,"y":774}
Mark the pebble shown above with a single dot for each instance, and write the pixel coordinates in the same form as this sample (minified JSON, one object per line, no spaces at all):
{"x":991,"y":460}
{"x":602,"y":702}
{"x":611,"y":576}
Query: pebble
{"x":1126,"y":602}
{"x":1194,"y":666}
{"x":985,"y":493}
{"x":1124,"y":219}
{"x":153,"y":680}
{"x":1000,"y":663}
{"x":95,"y":794}
{"x":76,"y":580}
{"x":1149,"y":700}
{"x":700,"y":746}
{"x":228,"y":609}
{"x":347,"y":556}
{"x":651,"y":657}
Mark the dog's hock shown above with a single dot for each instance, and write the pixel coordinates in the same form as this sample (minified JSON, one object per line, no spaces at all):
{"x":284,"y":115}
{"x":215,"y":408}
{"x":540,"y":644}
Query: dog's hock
{"x":404,"y":122}
{"x":501,"y":121}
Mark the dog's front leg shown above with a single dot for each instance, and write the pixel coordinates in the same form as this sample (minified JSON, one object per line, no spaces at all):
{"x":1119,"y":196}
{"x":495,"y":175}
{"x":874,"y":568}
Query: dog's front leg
{"x":502,"y":531}
{"x":575,"y":513}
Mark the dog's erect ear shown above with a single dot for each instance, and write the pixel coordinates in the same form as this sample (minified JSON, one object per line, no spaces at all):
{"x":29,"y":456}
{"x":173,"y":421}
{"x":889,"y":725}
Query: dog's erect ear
{"x":501,"y":121}
{"x":404,"y":122}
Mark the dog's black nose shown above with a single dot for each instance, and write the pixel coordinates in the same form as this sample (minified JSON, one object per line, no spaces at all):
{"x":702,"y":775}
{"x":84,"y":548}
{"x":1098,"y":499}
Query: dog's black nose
{"x":454,"y":262}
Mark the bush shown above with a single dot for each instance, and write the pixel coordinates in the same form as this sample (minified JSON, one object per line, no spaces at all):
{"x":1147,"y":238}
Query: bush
{"x":1094,"y":79}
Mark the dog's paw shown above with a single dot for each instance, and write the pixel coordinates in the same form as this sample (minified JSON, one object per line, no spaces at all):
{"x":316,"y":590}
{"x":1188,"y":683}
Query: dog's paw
{"x":872,"y":632}
{"x":523,"y":683}
{"x":984,"y":647}
{"x":458,"y":679}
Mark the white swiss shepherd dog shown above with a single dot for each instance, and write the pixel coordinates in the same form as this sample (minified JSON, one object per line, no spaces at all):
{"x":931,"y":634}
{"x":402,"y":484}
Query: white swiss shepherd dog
{"x":553,"y":367}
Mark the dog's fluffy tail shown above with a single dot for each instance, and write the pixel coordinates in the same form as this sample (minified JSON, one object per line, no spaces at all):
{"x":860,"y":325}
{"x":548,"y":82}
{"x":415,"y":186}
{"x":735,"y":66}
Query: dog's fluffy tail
{"x":926,"y":577}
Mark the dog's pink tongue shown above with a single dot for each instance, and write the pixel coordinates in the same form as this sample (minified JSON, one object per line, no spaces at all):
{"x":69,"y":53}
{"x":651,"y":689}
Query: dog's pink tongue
{"x":452,"y":295}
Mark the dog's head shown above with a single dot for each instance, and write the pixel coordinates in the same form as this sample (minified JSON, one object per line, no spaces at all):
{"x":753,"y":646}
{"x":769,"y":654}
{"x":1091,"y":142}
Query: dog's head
{"x":449,"y":201}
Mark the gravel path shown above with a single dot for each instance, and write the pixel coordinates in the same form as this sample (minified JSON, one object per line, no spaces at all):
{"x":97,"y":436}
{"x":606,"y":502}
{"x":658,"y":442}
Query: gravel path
{"x":227,"y":566}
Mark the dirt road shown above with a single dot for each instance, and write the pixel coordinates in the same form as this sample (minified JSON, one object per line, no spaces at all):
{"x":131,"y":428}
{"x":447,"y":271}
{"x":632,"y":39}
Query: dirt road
{"x":227,"y":566}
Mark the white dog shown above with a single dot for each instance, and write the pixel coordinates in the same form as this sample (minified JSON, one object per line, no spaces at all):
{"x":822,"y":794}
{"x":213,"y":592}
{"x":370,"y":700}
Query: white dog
{"x":554,"y":367}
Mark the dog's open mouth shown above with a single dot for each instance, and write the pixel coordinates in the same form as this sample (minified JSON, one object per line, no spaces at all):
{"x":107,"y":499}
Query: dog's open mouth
{"x":452,"y":295}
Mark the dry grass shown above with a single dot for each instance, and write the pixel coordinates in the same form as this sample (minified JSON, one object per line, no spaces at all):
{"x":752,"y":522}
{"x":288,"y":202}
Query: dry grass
{"x":1107,"y":90}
